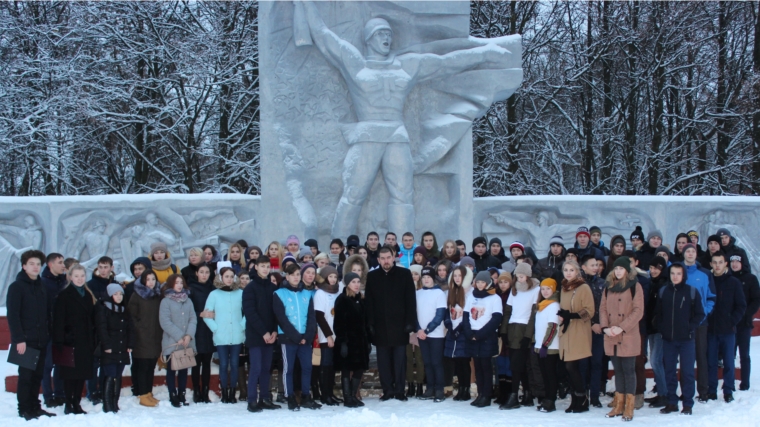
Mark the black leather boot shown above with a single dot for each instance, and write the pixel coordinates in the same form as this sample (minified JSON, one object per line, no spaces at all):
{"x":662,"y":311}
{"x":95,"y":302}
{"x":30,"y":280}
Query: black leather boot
{"x":511,"y":403}
{"x":348,"y":397}
{"x":108,"y":395}
{"x":174,"y":399}
{"x":355,"y":384}
{"x":231,"y":395}
{"x":204,"y":394}
{"x":225,"y":395}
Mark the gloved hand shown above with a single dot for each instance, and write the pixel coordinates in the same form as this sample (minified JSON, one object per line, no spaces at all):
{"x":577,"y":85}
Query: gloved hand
{"x":543,"y":352}
{"x":344,"y":350}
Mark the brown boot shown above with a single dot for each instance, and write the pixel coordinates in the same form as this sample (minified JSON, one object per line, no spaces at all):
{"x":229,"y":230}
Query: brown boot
{"x":617,"y":406}
{"x":150,"y":396}
{"x":630,"y":404}
{"x":612,"y":404}
{"x":145,"y":401}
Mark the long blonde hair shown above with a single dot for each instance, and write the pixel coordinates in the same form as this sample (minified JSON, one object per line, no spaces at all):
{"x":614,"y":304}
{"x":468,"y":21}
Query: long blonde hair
{"x":242,"y":254}
{"x":280,"y":251}
{"x":80,"y":267}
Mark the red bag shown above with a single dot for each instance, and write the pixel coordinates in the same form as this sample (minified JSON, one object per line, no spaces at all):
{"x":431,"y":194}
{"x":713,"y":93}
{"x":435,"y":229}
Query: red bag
{"x":63,"y":355}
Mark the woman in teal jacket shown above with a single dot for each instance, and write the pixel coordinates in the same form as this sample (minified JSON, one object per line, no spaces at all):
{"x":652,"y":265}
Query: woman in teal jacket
{"x":226,"y":302}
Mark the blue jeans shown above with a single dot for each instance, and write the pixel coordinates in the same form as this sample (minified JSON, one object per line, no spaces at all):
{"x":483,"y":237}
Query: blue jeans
{"x":725,"y":346}
{"x":260,"y":365}
{"x":432,"y":357}
{"x":597,"y":364}
{"x":113,"y":370}
{"x":181,"y":377}
{"x":56,"y":388}
{"x":657,"y":363}
{"x":94,"y":383}
{"x":685,"y":351}
{"x":502,"y":366}
{"x":743,"y":338}
{"x":229,"y":356}
{"x":289,"y":354}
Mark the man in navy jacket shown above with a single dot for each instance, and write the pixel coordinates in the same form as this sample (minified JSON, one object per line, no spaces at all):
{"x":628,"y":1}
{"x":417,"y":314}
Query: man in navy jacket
{"x":744,"y":328}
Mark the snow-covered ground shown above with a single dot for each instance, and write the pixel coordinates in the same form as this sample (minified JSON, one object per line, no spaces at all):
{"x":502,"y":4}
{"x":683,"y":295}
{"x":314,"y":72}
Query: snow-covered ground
{"x":745,"y":411}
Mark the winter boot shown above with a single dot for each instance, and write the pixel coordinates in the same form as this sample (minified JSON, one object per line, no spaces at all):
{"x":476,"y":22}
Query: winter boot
{"x":152,"y":398}
{"x":511,"y":403}
{"x":204,"y":394}
{"x":145,"y":401}
{"x":331,"y":385}
{"x":440,"y":396}
{"x":309,"y":403}
{"x":527,"y":399}
{"x":174,"y":399}
{"x":465,"y":392}
{"x":116,"y":393}
{"x":225,"y":395}
{"x":108,"y":395}
{"x":197,"y":394}
{"x":503,"y":393}
{"x":661,"y":402}
{"x":231,"y":394}
{"x":411,"y":389}
{"x":293,"y":403}
{"x":618,"y":404}
{"x":573,"y":403}
{"x":326,"y":382}
{"x":419,"y":390}
{"x":582,"y":405}
{"x":242,"y":383}
{"x":348,"y":397}
{"x":316,"y":373}
{"x":547,"y":405}
{"x":428,"y":395}
{"x":639,"y":401}
{"x":356,"y":384}
{"x":630,"y":404}
{"x":181,"y":396}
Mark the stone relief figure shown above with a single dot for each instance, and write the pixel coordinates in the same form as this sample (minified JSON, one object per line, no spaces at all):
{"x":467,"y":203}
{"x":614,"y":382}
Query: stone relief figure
{"x":94,"y":242}
{"x":733,"y":222}
{"x":379,"y":82}
{"x":29,"y":237}
{"x":136,"y":240}
{"x":538,"y":233}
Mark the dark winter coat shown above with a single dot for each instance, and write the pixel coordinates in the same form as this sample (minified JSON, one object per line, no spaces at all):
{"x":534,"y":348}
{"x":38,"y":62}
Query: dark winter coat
{"x":655,"y":286}
{"x":258,"y":310}
{"x":74,"y":326}
{"x":751,"y":296}
{"x":456,"y":342}
{"x":730,"y":305}
{"x":589,"y":250}
{"x":114,"y":328}
{"x":597,"y":285}
{"x":204,"y":338}
{"x":28,"y":312}
{"x":482,"y":262}
{"x":644,"y":255}
{"x":551,"y":266}
{"x":372,"y":258}
{"x":53,"y":285}
{"x":732,"y":249}
{"x":99,"y":286}
{"x":143,"y":310}
{"x":646,"y":285}
{"x":350,"y":327}
{"x":189,"y":274}
{"x":129,"y":289}
{"x":391,"y":306}
{"x":677,"y":315}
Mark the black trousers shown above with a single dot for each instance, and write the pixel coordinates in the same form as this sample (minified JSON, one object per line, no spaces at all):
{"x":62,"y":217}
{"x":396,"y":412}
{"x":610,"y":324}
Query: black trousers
{"x":391,"y":365}
{"x":142,"y":375}
{"x":462,"y":370}
{"x":518,"y":359}
{"x":484,"y":376}
{"x":201,"y":372}
{"x":29,"y":382}
{"x":548,"y":367}
{"x":73,"y":391}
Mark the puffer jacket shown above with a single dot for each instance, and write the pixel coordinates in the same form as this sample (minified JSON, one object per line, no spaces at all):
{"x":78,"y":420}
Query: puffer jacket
{"x":226,"y":302}
{"x":114,"y":328}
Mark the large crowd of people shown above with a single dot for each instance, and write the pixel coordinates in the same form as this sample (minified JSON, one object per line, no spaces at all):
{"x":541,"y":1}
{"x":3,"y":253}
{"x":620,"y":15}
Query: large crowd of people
{"x":532,"y":330}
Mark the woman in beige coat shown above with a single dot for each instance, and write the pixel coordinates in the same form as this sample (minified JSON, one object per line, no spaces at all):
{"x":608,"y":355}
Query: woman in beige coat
{"x":576,"y":310}
{"x":621,"y":310}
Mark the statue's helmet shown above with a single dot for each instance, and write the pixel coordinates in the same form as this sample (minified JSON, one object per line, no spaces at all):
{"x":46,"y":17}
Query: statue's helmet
{"x":374,"y":25}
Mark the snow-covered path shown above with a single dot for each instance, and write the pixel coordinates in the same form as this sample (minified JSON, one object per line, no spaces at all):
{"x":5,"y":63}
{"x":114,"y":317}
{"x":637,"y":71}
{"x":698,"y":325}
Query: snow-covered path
{"x":745,"y":411}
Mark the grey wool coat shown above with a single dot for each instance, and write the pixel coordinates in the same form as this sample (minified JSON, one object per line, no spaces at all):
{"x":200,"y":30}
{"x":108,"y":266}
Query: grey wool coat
{"x":177,"y":320}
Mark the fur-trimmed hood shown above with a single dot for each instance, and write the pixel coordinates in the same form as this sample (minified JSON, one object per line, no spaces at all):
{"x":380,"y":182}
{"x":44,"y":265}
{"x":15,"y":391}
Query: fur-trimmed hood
{"x":218,"y":284}
{"x":365,"y":267}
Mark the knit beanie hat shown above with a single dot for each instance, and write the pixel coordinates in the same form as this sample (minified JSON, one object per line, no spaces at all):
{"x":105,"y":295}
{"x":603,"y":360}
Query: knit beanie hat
{"x":311,"y":243}
{"x":326,"y":271}
{"x":654,"y":233}
{"x":305,"y":252}
{"x":595,"y":229}
{"x":617,"y":239}
{"x":582,"y":230}
{"x":549,"y":283}
{"x":714,"y":238}
{"x":292,"y":239}
{"x":352,"y":241}
{"x":465,"y":261}
{"x":494,"y":240}
{"x":658,"y":262}
{"x":693,"y":233}
{"x":478,"y":240}
{"x":505,"y":277}
{"x":723,"y":232}
{"x":736,"y":257}
{"x":348,"y":278}
{"x":158,"y":246}
{"x":638,"y":233}
{"x":524,"y":269}
{"x":557,"y":240}
{"x":308,"y":266}
{"x":113,"y":288}
{"x":665,"y":249}
{"x":427,"y":271}
{"x":483,"y":276}
{"x":688,"y":246}
{"x":517,"y":244}
{"x":624,"y":262}
{"x":416,"y":268}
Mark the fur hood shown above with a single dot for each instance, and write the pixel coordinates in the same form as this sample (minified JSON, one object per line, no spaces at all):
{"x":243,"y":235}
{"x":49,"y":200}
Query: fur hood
{"x":218,"y":284}
{"x":350,"y":261}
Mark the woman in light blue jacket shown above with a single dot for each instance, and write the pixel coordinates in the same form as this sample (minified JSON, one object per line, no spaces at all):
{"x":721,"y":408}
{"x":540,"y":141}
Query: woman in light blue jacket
{"x":226,"y":302}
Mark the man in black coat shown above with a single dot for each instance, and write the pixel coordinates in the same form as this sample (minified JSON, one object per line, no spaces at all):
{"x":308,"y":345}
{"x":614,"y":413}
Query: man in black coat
{"x":54,"y":279}
{"x":721,"y":330}
{"x":728,"y":245}
{"x":391,"y":315}
{"x":29,"y":324}
{"x":482,"y":256}
{"x":101,"y":278}
{"x":260,"y":334}
{"x":744,"y":328}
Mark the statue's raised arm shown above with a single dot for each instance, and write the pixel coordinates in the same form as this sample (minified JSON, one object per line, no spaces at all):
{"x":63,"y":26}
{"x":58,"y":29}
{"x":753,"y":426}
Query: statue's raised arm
{"x":432,"y":66}
{"x":340,"y":53}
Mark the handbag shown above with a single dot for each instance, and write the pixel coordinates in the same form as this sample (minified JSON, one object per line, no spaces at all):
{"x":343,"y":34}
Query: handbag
{"x":179,"y":359}
{"x":63,"y":355}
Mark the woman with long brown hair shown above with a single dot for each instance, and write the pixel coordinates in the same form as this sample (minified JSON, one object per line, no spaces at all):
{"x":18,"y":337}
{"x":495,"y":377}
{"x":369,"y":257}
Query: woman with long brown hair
{"x":178,"y":321}
{"x":455,"y":346}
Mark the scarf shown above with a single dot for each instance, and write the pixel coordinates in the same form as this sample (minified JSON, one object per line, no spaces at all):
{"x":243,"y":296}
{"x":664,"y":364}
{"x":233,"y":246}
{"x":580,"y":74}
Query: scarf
{"x":164,"y":264}
{"x":179,"y":297}
{"x":330,"y":289}
{"x":144,"y":291}
{"x":545,"y":303}
{"x":622,"y":285}
{"x":571,"y":285}
{"x":119,"y":308}
{"x":80,"y":290}
{"x":484,"y":293}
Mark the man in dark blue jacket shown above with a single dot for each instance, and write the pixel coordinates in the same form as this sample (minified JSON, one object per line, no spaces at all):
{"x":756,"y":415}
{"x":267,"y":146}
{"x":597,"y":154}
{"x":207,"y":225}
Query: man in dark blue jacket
{"x":728,"y":245}
{"x":721,"y":334}
{"x":648,"y":249}
{"x":260,"y":334}
{"x":54,"y":279}
{"x":744,"y":328}
{"x":679,"y":313}
{"x":583,"y":244}
{"x":29,"y":324}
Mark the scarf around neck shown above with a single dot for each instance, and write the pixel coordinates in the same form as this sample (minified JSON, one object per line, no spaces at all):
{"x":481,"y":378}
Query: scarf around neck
{"x":163,"y":264}
{"x":572,"y":285}
{"x":177,"y":296}
{"x":545,"y":303}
